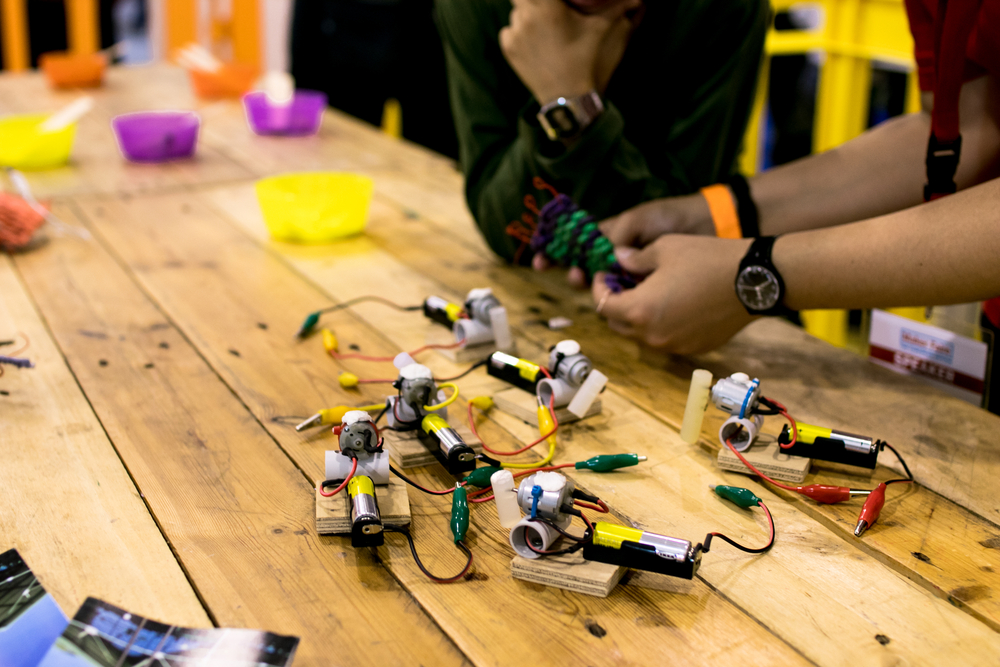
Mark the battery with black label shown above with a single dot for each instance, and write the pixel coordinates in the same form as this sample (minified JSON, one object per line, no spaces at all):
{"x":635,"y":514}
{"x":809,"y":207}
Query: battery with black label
{"x":366,"y":523}
{"x":442,"y":311}
{"x":824,"y":444}
{"x":518,"y":372}
{"x":642,"y":550}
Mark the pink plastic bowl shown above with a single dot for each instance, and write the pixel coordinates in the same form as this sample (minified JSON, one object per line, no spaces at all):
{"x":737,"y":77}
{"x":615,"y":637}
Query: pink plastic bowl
{"x":157,"y":136}
{"x":301,"y":117}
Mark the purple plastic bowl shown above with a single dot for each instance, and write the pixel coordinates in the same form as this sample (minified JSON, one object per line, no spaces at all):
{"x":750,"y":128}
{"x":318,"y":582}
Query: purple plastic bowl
{"x":300,"y":118}
{"x":156,"y":136}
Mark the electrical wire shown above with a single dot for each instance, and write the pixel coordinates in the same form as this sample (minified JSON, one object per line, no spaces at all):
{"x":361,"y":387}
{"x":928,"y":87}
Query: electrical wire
{"x":370,"y":297}
{"x":750,"y":550}
{"x":424,"y":348}
{"x":783,"y":411}
{"x":468,"y":370}
{"x":446,"y":402}
{"x":555,"y":427}
{"x":440,"y":580}
{"x":422,"y":488}
{"x":599,"y":507}
{"x":901,"y":480}
{"x":354,"y":468}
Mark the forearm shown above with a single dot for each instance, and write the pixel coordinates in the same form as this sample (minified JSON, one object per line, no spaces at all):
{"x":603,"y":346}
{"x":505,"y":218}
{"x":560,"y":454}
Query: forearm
{"x":943,"y":252}
{"x":877,"y":173}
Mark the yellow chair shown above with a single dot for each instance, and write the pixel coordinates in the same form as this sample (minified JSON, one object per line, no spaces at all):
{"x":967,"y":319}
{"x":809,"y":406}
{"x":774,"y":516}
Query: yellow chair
{"x":852,"y":35}
{"x":82,"y":30}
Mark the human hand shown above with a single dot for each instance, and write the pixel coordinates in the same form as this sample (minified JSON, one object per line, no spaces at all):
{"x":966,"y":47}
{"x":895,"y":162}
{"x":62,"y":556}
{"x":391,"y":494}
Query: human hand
{"x":643,"y":224}
{"x":687,"y":303}
{"x":559,"y":52}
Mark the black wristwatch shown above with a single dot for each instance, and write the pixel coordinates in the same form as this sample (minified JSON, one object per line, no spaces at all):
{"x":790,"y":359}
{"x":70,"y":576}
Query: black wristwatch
{"x":759,"y":286}
{"x":568,"y":117}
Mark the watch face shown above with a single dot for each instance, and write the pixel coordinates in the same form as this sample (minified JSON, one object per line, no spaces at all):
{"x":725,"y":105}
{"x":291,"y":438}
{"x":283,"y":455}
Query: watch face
{"x":758,"y":288}
{"x":563,"y":121}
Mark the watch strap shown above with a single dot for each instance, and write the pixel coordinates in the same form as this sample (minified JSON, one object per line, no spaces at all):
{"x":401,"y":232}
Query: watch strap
{"x":759,"y":254}
{"x":585,"y":109}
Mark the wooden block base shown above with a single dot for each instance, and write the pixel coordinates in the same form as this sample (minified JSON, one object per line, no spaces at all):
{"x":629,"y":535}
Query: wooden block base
{"x":407,"y":448}
{"x":463,"y":355}
{"x":524,"y":406}
{"x":768,"y":458}
{"x":569,"y":572}
{"x":333,"y":515}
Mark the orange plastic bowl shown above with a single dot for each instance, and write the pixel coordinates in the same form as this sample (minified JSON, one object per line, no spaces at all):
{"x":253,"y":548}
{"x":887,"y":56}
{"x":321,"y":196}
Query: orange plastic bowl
{"x":232,"y":80}
{"x":73,"y":70}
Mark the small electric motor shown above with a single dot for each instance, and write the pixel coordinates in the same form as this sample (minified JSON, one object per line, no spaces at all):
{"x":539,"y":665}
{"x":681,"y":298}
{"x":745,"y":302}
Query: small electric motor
{"x":486,"y":321}
{"x":360,"y":449}
{"x":574,"y":382}
{"x":366,"y":522}
{"x":543,"y":495}
{"x":416,"y":390}
{"x":358,"y":435}
{"x":740,"y":397}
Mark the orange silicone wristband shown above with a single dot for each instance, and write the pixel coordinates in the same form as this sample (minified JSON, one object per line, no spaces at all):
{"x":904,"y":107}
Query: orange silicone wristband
{"x":723,"y":210}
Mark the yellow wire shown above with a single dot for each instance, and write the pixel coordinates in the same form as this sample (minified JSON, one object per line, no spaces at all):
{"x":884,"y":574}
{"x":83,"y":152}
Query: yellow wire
{"x":538,"y":464}
{"x":448,"y":401}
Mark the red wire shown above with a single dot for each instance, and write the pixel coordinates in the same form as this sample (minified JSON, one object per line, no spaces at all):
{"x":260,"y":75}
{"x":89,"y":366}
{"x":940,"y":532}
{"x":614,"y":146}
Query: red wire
{"x":362,"y":357}
{"x":540,"y":183}
{"x":759,"y":473}
{"x":458,"y":576}
{"x":377,"y":381}
{"x":555,"y":427}
{"x":599,"y":507}
{"x":791,"y":420}
{"x":354,"y":467}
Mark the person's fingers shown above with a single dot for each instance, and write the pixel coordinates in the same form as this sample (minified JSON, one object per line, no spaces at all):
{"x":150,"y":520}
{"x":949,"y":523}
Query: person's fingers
{"x":609,"y":305}
{"x":576,"y":277}
{"x":539,"y":262}
{"x":640,"y":262}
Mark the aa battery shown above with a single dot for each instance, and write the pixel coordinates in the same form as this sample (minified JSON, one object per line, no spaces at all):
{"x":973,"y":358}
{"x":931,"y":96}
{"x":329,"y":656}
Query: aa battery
{"x":518,"y":372}
{"x":442,"y":311}
{"x":366,"y":523}
{"x":824,"y":444}
{"x":642,"y":550}
{"x":458,"y":456}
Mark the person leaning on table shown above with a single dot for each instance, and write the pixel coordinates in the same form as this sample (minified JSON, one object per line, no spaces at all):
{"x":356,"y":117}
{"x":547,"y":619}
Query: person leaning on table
{"x":851,"y":229}
{"x":656,"y":98}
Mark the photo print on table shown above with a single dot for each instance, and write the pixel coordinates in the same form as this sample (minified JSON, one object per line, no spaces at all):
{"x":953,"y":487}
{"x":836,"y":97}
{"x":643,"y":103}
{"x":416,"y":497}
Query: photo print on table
{"x":102,"y":635}
{"x":30,"y":620}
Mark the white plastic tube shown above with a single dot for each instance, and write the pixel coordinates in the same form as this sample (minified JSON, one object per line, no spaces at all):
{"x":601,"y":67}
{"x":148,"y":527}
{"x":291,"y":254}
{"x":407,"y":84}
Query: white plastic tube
{"x":541,"y":535}
{"x":559,"y":390}
{"x":697,"y":402}
{"x":376,"y":466}
{"x":741,"y":438}
{"x":501,"y":328}
{"x":505,"y":497}
{"x":473,"y":332}
{"x":588,"y":393}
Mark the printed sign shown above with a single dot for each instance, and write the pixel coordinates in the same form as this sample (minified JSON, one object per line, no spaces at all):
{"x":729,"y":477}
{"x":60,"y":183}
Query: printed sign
{"x":954,"y":363}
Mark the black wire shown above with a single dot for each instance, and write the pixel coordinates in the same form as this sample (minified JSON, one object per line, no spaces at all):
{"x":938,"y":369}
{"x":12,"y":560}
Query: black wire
{"x":489,"y":460}
{"x":413,"y":550}
{"x":359,"y":299}
{"x":568,"y":550}
{"x":465,"y":372}
{"x":586,"y":536}
{"x":909,"y":475}
{"x":767,"y":547}
{"x":417,"y":486}
{"x":332,"y":482}
{"x":766,"y":401}
{"x":379,"y":415}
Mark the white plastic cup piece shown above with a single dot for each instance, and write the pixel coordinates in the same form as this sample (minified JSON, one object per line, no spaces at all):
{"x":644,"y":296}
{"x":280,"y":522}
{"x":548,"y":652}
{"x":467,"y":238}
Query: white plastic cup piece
{"x":560,"y":392}
{"x":697,"y":402}
{"x":505,"y":498}
{"x":741,"y":438}
{"x":375,"y":466}
{"x":541,"y":535}
{"x":588,"y":393}
{"x":403,"y":360}
{"x":473,"y":332}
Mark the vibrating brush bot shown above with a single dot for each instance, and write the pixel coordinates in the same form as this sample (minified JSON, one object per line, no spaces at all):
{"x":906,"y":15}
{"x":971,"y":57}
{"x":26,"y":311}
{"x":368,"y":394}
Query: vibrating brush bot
{"x":570,"y":381}
{"x":741,"y":397}
{"x":483,"y":322}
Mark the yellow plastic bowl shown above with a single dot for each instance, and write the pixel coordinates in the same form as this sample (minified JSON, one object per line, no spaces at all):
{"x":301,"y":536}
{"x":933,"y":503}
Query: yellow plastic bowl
{"x":22,"y":146}
{"x":316,"y":207}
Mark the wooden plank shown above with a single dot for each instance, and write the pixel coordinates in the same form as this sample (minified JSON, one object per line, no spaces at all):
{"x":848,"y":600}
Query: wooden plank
{"x":69,"y":505}
{"x":219,"y":287}
{"x":393,"y":273}
{"x":234,"y":507}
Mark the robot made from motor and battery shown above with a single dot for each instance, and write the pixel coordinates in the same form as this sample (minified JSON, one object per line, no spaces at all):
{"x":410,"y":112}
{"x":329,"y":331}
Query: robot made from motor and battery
{"x":741,"y":397}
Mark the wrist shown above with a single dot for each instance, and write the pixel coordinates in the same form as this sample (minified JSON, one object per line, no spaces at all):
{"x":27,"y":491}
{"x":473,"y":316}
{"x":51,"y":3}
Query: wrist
{"x":548,"y":94}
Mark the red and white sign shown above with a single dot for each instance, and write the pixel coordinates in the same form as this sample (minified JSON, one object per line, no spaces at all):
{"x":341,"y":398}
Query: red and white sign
{"x":954,"y":363}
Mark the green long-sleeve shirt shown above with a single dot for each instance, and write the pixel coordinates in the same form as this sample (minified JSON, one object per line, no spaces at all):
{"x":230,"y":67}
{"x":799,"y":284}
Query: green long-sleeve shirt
{"x":676,"y":110}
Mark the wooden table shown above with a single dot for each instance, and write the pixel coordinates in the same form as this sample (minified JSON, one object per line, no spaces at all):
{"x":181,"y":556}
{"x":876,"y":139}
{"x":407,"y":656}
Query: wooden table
{"x":150,"y":458}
